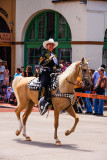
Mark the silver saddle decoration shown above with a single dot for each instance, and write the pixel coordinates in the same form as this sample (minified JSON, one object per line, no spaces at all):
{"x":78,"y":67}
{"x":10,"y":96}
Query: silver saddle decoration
{"x":35,"y":84}
{"x":71,"y":96}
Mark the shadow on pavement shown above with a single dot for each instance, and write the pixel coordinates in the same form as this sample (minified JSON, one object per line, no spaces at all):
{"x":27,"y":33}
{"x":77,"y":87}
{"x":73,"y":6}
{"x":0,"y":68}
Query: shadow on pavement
{"x":52,"y":145}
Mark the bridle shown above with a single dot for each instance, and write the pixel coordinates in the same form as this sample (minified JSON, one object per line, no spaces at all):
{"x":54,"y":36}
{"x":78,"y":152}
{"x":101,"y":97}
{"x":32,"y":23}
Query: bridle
{"x":80,"y":69}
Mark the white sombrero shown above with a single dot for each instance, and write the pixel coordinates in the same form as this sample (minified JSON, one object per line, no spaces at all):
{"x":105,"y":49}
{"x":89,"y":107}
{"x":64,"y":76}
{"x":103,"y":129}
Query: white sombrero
{"x":100,"y":69}
{"x":50,"y":41}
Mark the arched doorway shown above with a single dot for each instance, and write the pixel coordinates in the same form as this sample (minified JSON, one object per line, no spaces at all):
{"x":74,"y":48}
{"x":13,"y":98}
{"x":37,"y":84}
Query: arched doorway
{"x":5,"y":49}
{"x":104,"y":56}
{"x":45,"y":25}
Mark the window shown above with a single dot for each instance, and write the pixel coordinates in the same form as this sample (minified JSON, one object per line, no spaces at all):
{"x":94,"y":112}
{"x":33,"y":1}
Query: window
{"x":65,"y":54}
{"x":41,"y":27}
{"x":32,"y":33}
{"x":104,"y":58}
{"x":48,"y":24}
{"x":61,"y":27}
{"x":105,"y":37}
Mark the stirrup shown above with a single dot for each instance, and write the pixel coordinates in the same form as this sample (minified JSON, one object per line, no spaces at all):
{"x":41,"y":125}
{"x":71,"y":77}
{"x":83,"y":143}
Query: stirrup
{"x":43,"y":105}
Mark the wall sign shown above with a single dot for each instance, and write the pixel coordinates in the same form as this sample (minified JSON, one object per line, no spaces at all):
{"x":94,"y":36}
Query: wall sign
{"x":5,"y":37}
{"x":4,"y":12}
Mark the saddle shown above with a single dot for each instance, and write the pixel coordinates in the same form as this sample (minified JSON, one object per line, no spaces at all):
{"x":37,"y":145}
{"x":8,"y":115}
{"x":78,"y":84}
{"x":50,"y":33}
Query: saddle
{"x":35,"y":84}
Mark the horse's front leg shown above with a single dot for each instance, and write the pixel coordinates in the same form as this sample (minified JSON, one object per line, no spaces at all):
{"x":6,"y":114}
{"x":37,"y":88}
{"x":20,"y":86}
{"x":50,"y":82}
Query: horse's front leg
{"x":56,"y":123}
{"x":71,"y":111}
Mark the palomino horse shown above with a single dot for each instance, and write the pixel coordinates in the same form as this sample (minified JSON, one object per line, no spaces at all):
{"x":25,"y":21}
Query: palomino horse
{"x":27,"y":98}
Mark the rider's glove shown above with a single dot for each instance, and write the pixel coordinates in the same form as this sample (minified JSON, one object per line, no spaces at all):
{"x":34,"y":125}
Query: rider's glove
{"x":51,"y":57}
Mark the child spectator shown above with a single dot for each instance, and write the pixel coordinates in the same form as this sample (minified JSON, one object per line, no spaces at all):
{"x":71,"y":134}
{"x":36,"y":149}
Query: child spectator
{"x":8,"y":92}
{"x":2,"y":69}
{"x":6,"y":75}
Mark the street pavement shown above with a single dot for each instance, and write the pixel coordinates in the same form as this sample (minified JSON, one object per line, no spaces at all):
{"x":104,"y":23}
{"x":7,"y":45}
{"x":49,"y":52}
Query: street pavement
{"x":88,"y":142}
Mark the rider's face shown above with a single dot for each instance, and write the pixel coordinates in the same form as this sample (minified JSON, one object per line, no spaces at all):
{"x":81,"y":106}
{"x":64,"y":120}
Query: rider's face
{"x":50,"y":47}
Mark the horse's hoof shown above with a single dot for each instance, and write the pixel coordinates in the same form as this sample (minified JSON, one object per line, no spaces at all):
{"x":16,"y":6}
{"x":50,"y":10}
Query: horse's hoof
{"x":67,"y":133}
{"x":17,"y":132}
{"x":28,"y":139}
{"x":58,"y":143}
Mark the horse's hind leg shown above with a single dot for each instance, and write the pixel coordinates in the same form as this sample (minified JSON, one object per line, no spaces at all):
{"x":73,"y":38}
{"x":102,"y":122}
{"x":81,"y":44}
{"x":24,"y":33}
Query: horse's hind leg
{"x":18,"y":111}
{"x":25,"y":116}
{"x":71,"y":111}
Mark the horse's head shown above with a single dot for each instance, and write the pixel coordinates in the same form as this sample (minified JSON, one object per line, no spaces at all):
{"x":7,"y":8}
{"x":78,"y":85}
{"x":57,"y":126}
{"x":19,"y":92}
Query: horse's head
{"x":85,"y":72}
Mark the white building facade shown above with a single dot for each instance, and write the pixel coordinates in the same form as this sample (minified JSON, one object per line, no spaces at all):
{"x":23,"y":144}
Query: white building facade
{"x":79,"y":28}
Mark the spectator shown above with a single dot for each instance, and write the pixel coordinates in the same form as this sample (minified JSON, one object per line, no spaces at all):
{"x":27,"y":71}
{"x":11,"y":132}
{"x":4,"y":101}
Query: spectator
{"x":100,"y":89}
{"x":78,"y":88}
{"x":64,"y":66}
{"x":5,"y":63}
{"x":2,"y":69}
{"x":87,"y":101}
{"x":96,"y":75}
{"x":37,"y":71}
{"x":29,"y":72}
{"x":18,"y":72}
{"x":24,"y":74}
{"x":8,"y":92}
{"x":68,"y":64}
{"x":6,"y":75}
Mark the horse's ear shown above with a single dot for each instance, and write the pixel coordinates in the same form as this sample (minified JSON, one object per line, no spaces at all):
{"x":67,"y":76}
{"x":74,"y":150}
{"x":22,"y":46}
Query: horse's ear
{"x":82,"y":60}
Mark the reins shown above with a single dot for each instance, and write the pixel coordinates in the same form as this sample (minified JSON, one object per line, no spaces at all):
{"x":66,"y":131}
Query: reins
{"x":72,"y":83}
{"x":78,"y":73}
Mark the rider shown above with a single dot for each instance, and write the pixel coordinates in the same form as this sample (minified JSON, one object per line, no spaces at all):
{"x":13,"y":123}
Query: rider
{"x":48,"y":61}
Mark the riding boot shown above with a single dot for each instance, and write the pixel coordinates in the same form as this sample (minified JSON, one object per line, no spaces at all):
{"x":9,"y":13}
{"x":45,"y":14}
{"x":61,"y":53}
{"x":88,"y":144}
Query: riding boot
{"x":43,"y":103}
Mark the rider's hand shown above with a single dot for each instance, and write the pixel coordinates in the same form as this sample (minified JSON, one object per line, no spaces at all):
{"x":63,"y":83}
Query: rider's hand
{"x":54,"y":68}
{"x":51,"y":57}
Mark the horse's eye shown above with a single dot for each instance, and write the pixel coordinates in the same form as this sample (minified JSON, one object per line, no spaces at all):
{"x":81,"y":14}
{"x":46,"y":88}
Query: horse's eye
{"x":84,"y":70}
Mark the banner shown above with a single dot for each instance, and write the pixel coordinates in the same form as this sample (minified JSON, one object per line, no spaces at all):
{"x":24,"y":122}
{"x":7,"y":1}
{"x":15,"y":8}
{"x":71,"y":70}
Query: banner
{"x":5,"y":37}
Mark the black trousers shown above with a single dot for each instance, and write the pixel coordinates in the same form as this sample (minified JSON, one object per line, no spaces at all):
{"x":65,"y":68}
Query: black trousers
{"x":45,"y":81}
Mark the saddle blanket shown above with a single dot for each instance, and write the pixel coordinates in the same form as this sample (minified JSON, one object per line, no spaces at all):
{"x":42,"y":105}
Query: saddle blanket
{"x":35,"y":84}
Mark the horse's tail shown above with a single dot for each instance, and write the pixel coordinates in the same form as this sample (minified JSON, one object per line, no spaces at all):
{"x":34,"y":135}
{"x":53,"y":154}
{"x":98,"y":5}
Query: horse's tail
{"x":14,"y":86}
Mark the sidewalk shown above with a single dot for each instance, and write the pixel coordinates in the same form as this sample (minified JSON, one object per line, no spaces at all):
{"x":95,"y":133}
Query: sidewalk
{"x":6,"y":107}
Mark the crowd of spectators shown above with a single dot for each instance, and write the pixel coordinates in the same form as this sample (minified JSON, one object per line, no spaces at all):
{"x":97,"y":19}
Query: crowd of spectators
{"x":92,"y":106}
{"x":6,"y":91}
{"x":99,"y":78}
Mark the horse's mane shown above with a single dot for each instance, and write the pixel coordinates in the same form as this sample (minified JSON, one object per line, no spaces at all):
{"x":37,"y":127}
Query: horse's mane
{"x":68,"y":72}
